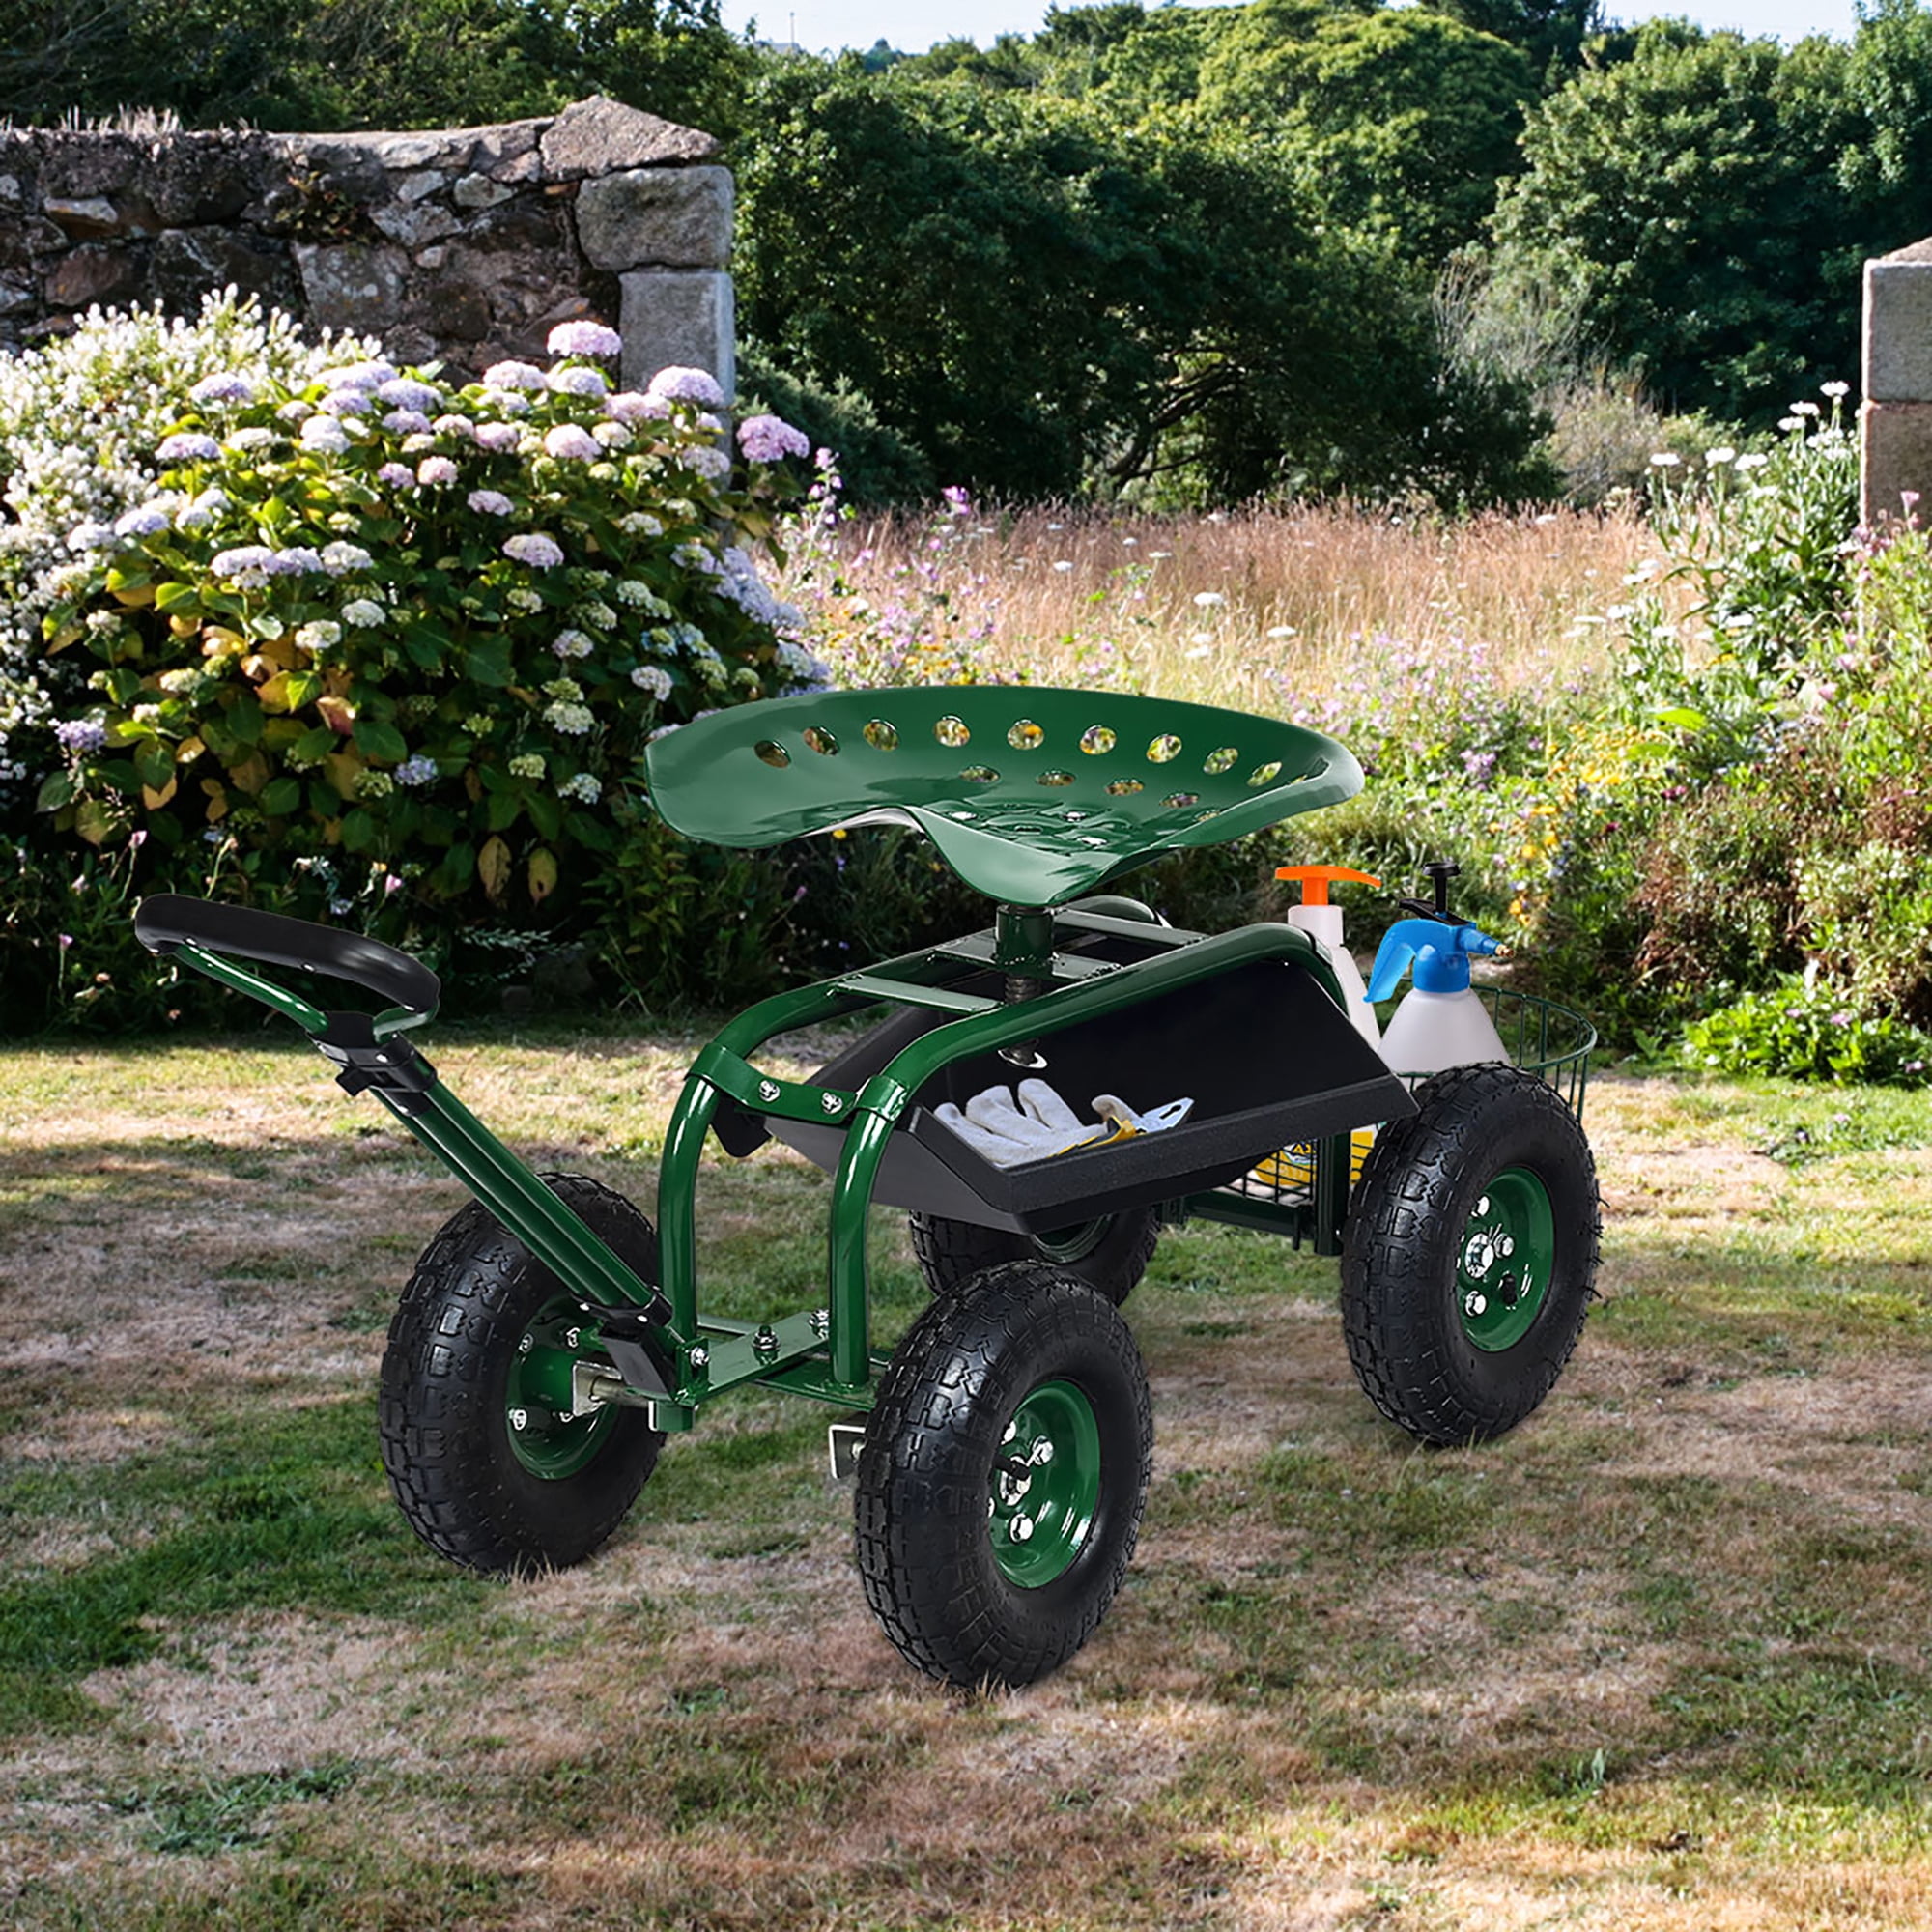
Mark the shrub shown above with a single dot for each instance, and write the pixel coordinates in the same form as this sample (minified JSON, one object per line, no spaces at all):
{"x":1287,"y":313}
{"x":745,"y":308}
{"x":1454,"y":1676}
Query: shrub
{"x":1803,"y":1028}
{"x":382,"y":649}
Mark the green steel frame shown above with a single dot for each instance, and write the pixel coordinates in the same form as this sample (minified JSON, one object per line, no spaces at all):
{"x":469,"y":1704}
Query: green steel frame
{"x":824,"y":1353}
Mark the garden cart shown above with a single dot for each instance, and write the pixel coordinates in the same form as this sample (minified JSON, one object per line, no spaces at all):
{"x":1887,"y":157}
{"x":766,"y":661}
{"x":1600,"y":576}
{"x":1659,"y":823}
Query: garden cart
{"x":551,"y":1337}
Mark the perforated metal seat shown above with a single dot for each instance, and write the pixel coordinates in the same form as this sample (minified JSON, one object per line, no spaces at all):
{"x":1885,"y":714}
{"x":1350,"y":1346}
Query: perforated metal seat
{"x":1032,"y":796}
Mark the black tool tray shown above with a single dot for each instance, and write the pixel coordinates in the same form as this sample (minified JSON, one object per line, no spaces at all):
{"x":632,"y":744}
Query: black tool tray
{"x":1261,"y":1050}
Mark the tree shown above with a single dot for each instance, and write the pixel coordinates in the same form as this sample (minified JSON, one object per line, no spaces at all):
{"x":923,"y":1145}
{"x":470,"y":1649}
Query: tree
{"x":1692,"y":194}
{"x":1407,"y":118}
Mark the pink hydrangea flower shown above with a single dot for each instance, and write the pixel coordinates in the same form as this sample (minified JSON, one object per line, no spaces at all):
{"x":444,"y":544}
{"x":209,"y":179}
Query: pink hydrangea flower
{"x":513,"y":375}
{"x":629,"y":406}
{"x":533,"y":548}
{"x":489,"y":503}
{"x":584,"y":338}
{"x":436,"y":470}
{"x":770,"y":438}
{"x":500,"y":438}
{"x":679,"y":384}
{"x":572,"y":440}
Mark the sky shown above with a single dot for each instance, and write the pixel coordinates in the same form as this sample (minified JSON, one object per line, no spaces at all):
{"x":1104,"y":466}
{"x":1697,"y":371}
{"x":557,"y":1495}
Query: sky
{"x":914,"y":25}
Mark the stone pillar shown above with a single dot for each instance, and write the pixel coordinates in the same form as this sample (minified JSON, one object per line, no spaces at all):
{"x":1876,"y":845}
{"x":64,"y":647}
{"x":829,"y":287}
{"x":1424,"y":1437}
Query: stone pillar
{"x":1896,"y":420}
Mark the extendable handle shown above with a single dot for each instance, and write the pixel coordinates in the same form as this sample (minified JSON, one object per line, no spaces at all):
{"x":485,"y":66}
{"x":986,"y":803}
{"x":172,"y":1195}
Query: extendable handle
{"x":168,"y":920}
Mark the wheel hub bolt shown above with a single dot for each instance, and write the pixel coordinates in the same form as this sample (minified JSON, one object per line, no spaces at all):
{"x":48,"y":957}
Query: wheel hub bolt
{"x":520,"y":1418}
{"x":571,"y":1337}
{"x":1022,"y":1529}
{"x":524,"y":1343}
{"x":1475,"y":1304}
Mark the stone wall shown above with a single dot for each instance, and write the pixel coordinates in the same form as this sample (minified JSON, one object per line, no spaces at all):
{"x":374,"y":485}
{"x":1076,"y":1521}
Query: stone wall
{"x":463,"y":246}
{"x":1895,"y":419}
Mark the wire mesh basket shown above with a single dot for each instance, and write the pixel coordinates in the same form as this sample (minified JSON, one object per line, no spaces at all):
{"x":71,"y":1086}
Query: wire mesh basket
{"x":1539,"y":1036}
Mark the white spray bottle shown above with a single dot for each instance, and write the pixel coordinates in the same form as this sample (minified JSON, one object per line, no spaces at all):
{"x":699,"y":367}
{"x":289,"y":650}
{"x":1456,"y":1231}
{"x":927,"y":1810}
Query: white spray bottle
{"x":1443,"y":1022}
{"x":1323,"y":923}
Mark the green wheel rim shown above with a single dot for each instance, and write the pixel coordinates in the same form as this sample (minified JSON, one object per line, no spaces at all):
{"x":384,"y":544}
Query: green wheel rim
{"x":1045,"y":1486}
{"x":1504,"y":1260}
{"x":1073,"y":1244}
{"x":547,"y":1436}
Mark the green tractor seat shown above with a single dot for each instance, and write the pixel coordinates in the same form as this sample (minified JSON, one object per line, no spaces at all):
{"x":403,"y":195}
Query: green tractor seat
{"x":1032,"y":796}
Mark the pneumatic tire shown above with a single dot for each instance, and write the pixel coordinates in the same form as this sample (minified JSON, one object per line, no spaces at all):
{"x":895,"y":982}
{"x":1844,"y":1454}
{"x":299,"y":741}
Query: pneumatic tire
{"x":1002,"y":1476}
{"x":490,"y":1465}
{"x":1470,"y":1255}
{"x":1110,"y":1255}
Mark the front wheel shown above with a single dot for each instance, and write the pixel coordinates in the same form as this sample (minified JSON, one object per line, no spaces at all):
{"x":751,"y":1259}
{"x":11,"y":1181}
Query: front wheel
{"x":1470,"y":1255}
{"x":488,"y":1455}
{"x":1002,"y":1476}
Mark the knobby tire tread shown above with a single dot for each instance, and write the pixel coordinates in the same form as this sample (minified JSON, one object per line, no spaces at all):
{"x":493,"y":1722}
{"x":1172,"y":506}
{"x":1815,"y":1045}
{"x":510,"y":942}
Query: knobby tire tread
{"x":443,"y":1434}
{"x":1398,"y":1303}
{"x":922,"y":1547}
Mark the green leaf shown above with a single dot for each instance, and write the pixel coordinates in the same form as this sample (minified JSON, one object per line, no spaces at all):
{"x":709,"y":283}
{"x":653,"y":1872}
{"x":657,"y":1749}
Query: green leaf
{"x":1684,"y":719}
{"x":244,"y":719}
{"x":358,"y":830}
{"x":546,"y":813}
{"x":313,"y":745}
{"x":487,"y":662}
{"x":592,"y":833}
{"x":503,"y":810}
{"x":279,"y":799}
{"x":171,"y":594}
{"x":375,"y":740}
{"x":155,"y":765}
{"x":55,"y":792}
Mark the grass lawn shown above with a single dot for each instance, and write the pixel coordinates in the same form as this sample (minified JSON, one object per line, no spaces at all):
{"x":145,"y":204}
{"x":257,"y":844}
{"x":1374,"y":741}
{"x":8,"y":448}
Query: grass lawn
{"x":1657,"y":1660}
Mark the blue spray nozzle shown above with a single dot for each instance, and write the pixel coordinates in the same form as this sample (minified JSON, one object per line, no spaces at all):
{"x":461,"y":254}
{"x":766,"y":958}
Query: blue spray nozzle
{"x":1440,"y":955}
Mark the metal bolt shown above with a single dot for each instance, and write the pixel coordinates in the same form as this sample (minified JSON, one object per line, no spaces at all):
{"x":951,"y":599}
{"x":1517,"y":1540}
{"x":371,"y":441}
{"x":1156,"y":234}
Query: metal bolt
{"x":700,"y":1358}
{"x":520,"y":1418}
{"x":1482,"y":1205}
{"x":571,"y":1337}
{"x":821,"y":1320}
{"x":1474,"y":1305}
{"x":1508,"y":1244}
{"x":1022,"y":1529}
{"x":765,"y":1341}
{"x":526,"y":1343}
{"x":1042,"y":1450}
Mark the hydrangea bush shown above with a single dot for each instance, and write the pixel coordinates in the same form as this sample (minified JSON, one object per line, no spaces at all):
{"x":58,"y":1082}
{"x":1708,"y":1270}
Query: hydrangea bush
{"x":388,"y":646}
{"x":81,"y":424}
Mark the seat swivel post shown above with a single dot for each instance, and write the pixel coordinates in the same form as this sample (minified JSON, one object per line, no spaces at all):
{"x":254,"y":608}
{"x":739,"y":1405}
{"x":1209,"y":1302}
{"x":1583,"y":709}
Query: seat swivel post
{"x":1023,"y":946}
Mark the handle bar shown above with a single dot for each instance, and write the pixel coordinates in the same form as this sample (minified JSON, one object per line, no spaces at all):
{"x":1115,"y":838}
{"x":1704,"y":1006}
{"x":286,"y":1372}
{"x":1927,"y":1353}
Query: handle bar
{"x":167,"y":920}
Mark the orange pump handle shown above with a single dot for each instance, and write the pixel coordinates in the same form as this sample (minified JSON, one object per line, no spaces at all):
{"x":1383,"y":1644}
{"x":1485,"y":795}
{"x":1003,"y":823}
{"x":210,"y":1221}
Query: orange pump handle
{"x":1316,"y":879}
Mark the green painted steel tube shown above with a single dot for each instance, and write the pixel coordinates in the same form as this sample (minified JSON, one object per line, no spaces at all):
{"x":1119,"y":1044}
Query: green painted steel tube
{"x":678,"y":1203}
{"x":881,"y":1101}
{"x":511,"y":1190}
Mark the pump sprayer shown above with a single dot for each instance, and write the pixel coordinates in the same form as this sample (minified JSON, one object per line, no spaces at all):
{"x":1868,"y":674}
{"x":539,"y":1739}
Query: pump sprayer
{"x":1443,"y":1022}
{"x":1323,"y":923}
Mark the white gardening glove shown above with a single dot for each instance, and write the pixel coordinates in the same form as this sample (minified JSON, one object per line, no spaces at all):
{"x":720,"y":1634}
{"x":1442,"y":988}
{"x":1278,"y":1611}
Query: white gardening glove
{"x":1007,"y":1134}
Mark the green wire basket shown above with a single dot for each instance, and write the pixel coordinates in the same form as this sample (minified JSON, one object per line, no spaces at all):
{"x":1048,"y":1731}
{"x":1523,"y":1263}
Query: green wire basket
{"x":1540,"y":1037}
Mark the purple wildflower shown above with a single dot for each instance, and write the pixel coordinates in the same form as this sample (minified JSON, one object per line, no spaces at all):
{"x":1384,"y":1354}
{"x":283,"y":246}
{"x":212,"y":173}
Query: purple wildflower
{"x":81,"y":734}
{"x":406,"y":422}
{"x":404,"y":392}
{"x":415,"y":771}
{"x":397,"y":475}
{"x":146,"y":520}
{"x":489,"y":503}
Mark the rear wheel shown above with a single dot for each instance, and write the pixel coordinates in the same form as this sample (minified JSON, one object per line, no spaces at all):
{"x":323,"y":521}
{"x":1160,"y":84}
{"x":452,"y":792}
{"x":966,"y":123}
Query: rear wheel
{"x":1470,"y":1255}
{"x":1002,"y":1476}
{"x":1109,"y":1254}
{"x":487,"y":1454}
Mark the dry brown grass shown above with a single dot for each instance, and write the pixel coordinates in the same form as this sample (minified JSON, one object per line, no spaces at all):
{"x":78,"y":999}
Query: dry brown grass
{"x":1074,"y":596}
{"x":1348,"y":1685}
